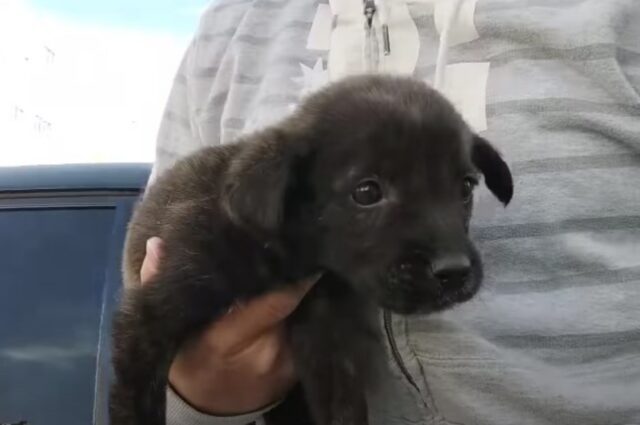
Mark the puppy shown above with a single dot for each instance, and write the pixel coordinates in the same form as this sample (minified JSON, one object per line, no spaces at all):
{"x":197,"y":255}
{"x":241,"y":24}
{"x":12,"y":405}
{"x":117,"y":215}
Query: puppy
{"x":370,"y":182}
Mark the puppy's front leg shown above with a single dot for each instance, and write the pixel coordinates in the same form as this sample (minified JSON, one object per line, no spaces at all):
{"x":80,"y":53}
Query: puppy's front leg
{"x":332,"y":348}
{"x":152,"y":323}
{"x":331,"y":391}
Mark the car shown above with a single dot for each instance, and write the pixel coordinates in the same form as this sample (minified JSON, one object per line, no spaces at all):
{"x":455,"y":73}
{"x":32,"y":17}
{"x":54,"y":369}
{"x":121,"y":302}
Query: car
{"x":62,"y":228}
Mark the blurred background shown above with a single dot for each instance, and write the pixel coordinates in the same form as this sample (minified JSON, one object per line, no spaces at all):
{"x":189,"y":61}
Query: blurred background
{"x":85,"y":81}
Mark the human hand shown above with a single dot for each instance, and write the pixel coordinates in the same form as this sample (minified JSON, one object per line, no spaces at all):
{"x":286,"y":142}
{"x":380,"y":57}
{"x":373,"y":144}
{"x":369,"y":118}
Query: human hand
{"x":242,"y":362}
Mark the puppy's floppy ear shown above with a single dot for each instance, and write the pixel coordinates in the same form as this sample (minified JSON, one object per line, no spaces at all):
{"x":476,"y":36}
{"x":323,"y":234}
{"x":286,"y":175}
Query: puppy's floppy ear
{"x":497,"y":175}
{"x":258,"y":179}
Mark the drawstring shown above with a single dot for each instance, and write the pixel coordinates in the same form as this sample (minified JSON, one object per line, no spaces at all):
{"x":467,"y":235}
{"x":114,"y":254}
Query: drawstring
{"x":443,"y":48}
{"x":384,"y":25}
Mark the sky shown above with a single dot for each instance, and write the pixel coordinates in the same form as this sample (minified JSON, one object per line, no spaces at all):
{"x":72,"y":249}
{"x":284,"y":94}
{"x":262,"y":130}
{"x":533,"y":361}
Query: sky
{"x":104,"y":92}
{"x":173,"y":16}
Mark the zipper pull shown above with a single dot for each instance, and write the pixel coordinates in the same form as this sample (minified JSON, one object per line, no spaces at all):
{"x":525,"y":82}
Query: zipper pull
{"x":369,"y":11}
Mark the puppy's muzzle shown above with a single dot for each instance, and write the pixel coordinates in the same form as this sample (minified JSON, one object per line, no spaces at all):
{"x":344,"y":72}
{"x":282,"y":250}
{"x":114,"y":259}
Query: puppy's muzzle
{"x":449,"y":270}
{"x":452,"y":270}
{"x":423,"y":281}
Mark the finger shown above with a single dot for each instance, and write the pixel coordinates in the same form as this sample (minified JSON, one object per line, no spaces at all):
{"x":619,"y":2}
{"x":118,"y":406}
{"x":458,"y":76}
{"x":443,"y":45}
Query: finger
{"x":269,"y":354}
{"x":245,"y":323}
{"x":151,"y":260}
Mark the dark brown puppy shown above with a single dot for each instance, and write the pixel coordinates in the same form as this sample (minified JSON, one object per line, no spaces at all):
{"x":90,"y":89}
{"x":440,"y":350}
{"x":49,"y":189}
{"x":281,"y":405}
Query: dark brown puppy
{"x":369,"y":182}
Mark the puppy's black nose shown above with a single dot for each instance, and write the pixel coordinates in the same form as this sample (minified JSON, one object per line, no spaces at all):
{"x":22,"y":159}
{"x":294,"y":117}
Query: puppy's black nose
{"x":451,"y":269}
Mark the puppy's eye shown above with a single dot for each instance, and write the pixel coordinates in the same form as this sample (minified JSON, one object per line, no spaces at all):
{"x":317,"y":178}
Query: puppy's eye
{"x":468,"y":185}
{"x":367,"y":193}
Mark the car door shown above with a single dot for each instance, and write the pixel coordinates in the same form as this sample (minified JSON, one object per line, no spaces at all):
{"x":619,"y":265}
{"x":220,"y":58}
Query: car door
{"x":61,"y":234}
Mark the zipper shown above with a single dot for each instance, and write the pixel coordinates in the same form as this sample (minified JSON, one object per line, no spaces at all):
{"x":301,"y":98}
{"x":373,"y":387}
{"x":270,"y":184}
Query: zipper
{"x":395,"y":352}
{"x":370,"y":53}
{"x":376,"y":33}
{"x":372,"y":63}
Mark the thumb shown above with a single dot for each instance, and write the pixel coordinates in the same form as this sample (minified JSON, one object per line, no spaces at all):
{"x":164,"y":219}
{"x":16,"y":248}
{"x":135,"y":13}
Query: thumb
{"x":151,"y":261}
{"x":248,"y":321}
{"x":275,"y":306}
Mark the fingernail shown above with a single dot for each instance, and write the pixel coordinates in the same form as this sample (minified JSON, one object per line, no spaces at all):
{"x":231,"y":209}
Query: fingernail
{"x":153,"y":247}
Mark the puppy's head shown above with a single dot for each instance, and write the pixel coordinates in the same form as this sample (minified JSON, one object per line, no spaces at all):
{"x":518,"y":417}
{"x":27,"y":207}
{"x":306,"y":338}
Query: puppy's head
{"x":372,"y":179}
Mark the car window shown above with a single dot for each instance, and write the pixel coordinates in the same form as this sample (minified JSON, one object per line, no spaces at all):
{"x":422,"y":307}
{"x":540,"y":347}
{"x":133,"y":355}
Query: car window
{"x":51,"y":296}
{"x":86,"y":81}
{"x":62,"y":229}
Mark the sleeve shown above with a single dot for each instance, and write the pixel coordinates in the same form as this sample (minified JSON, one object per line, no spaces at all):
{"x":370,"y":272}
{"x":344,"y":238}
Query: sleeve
{"x":179,"y":412}
{"x":177,"y":136}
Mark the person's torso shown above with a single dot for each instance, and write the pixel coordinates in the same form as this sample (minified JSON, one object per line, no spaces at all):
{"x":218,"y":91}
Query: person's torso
{"x":554,"y":336}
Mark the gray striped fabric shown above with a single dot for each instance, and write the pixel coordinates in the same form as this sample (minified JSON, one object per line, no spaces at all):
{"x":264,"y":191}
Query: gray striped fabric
{"x":554,"y":337}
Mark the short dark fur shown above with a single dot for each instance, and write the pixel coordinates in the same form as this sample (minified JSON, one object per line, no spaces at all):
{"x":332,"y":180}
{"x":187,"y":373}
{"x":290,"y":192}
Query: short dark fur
{"x":243,"y":219}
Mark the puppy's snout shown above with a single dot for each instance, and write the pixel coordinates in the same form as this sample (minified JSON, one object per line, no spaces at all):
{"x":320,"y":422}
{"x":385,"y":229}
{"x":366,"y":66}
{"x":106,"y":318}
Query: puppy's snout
{"x":452,"y":269}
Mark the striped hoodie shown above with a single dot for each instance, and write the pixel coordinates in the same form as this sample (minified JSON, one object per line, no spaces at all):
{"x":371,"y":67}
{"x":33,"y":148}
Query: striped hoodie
{"x":554,"y":336}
